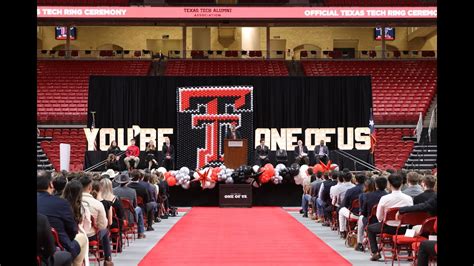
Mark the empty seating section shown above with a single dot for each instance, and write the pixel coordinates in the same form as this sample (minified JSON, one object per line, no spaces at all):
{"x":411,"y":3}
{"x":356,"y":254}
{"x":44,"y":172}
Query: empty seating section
{"x":391,"y":151}
{"x":400,"y":89}
{"x":73,"y":136}
{"x":226,"y":68}
{"x":83,"y":2}
{"x":63,"y":86}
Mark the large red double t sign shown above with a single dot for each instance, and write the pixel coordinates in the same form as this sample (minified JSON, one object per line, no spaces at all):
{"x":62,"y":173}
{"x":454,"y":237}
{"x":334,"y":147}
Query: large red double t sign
{"x":204,"y":116}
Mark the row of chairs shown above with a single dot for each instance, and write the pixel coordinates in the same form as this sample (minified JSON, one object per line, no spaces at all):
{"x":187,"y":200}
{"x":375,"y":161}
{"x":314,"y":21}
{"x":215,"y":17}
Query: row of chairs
{"x":391,"y":246}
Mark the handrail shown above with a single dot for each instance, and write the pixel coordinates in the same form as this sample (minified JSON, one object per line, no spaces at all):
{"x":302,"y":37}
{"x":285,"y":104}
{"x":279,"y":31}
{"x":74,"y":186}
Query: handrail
{"x":99,"y":164}
{"x":357,"y":160}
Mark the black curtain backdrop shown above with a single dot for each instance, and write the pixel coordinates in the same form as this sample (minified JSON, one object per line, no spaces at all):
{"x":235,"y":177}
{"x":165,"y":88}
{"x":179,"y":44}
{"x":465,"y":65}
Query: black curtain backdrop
{"x":279,"y":102}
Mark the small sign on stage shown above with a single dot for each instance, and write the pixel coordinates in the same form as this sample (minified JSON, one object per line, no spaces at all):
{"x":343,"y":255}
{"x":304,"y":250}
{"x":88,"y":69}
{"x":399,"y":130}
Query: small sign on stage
{"x":235,"y":195}
{"x":235,"y":143}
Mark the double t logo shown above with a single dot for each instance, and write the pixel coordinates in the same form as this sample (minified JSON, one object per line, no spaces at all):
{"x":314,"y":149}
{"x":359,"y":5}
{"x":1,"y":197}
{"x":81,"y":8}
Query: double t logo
{"x":214,"y":109}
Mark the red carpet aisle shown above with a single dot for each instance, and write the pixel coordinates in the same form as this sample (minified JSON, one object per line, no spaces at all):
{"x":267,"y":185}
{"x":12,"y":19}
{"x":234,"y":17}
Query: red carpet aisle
{"x":240,"y":236}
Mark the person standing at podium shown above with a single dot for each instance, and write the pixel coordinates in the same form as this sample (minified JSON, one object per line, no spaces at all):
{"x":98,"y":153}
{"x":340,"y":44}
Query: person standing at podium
{"x":233,"y":133}
{"x":261,"y":153}
{"x":301,"y":153}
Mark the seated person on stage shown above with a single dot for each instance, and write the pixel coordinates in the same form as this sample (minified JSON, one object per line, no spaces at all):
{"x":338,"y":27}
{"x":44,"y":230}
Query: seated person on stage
{"x":168,"y":154}
{"x":261,"y":153}
{"x":151,"y":155}
{"x":114,"y":149}
{"x":281,"y":156}
{"x":132,"y":153}
{"x":112,"y":162}
{"x":321,"y":152}
{"x":301,"y":153}
{"x":233,"y":133}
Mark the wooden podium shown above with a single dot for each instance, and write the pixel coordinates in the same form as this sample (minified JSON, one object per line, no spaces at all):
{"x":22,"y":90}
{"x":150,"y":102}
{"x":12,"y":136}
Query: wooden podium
{"x":235,"y":152}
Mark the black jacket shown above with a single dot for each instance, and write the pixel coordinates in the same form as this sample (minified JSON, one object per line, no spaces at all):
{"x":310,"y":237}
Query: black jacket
{"x":164,"y":150}
{"x":297,"y":150}
{"x":262,"y":152}
{"x":326,"y":189}
{"x":115,"y":151}
{"x":237,"y":134}
{"x":318,"y":147}
{"x":60,"y":217}
{"x":430,"y":206}
{"x":352,"y":194}
{"x":371,"y":199}
{"x":423,"y":197}
{"x":141,"y":190}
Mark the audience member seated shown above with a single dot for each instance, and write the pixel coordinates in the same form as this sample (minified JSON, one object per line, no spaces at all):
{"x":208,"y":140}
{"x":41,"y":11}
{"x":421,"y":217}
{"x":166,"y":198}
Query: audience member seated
{"x":97,"y":211}
{"x":108,"y":195}
{"x":132,"y":154}
{"x":45,"y":246}
{"x":396,"y":199}
{"x":142,"y":191}
{"x":73,"y":194}
{"x":261,"y":153}
{"x":330,"y":205}
{"x":413,"y":189}
{"x":428,"y":183}
{"x":125,"y":192}
{"x":59,"y":182}
{"x":368,"y":200}
{"x":315,"y":186}
{"x":324,"y":198}
{"x":351,"y":195}
{"x":152,"y":204}
{"x":60,"y":216}
{"x":306,"y":197}
{"x":163,"y":196}
{"x":97,"y":194}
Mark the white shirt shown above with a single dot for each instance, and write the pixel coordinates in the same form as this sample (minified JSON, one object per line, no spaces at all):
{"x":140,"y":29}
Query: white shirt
{"x":396,"y":199}
{"x":340,"y":192}
{"x":333,"y":189}
{"x":97,"y":211}
{"x":321,"y":151}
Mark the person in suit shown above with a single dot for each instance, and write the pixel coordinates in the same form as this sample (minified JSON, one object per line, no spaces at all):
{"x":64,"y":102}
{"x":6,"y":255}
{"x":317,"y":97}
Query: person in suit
{"x":261,"y":153}
{"x":168,"y":155}
{"x":301,"y":153}
{"x":60,"y":217}
{"x":233,"y":133}
{"x":321,"y":152}
{"x":124,"y":192}
{"x":281,"y":156}
{"x":370,"y":199}
{"x":428,"y":183}
{"x":142,"y":192}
